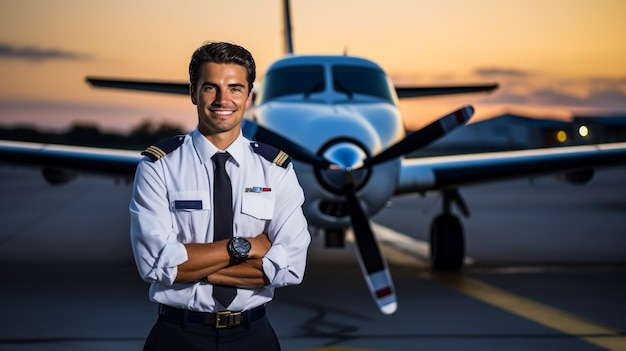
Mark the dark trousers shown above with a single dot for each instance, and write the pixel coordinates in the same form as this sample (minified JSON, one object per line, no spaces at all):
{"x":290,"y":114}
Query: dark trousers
{"x":176,"y":335}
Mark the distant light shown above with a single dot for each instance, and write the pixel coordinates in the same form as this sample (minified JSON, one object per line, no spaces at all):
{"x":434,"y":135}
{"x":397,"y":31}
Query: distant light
{"x":561,"y":136}
{"x":583,"y":131}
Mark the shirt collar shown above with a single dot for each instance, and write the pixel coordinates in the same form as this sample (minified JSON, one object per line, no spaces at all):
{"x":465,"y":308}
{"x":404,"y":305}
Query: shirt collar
{"x":205,"y":149}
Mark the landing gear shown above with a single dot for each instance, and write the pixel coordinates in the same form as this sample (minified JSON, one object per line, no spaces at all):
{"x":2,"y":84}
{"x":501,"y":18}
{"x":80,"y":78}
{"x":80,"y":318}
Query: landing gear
{"x":447,"y":245}
{"x":334,"y":238}
{"x":447,"y":242}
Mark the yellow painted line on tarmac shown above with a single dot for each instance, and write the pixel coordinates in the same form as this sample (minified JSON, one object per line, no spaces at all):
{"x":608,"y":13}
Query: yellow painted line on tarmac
{"x":568,"y":323}
{"x":336,"y":348}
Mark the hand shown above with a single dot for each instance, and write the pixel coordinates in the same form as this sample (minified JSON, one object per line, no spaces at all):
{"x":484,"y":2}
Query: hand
{"x":260,"y":245}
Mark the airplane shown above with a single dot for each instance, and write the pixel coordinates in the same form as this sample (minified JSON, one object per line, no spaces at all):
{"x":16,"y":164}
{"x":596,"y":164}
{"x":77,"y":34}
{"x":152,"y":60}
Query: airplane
{"x":337,"y":116}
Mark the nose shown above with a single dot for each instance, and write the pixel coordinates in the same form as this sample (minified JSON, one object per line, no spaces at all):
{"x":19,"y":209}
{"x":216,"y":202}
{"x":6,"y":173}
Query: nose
{"x":220,"y":97}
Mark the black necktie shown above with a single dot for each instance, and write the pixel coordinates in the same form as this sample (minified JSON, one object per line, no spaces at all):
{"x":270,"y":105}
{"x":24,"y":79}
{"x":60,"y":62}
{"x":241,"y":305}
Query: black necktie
{"x":222,"y":218}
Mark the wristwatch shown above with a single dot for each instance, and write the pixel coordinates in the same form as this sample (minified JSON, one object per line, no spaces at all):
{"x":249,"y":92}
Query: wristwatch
{"x":239,"y":249}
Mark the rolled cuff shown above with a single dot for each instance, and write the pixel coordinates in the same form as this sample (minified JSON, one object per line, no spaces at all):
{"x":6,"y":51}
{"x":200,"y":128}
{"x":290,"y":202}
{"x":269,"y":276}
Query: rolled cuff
{"x":275,"y":260}
{"x":171,"y":256}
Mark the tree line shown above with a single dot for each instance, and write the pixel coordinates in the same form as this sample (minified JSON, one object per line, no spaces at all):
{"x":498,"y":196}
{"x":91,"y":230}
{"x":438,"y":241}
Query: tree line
{"x":81,"y":134}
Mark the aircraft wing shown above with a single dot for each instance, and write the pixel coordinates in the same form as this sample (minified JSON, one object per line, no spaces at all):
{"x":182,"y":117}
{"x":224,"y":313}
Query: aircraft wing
{"x":183,"y":88}
{"x":65,"y":160}
{"x":408,"y":92}
{"x":140,"y":85}
{"x":416,"y":175}
{"x":433,"y":173}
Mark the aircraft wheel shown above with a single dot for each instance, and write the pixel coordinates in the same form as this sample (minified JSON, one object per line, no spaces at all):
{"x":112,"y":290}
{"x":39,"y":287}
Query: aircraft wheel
{"x":447,"y":245}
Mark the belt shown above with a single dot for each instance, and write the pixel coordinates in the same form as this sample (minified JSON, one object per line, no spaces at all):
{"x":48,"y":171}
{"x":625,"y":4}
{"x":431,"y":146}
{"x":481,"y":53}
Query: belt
{"x":225,"y":319}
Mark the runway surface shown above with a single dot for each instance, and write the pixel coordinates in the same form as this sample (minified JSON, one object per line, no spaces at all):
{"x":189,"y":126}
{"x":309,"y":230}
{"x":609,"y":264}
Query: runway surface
{"x":548,"y":273}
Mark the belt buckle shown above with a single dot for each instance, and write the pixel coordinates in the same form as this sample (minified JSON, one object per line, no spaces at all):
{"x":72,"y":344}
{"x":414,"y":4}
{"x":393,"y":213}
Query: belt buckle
{"x":230,"y":319}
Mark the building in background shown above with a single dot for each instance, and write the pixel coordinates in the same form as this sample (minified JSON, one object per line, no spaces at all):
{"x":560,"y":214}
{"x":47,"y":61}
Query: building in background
{"x":516,"y":132}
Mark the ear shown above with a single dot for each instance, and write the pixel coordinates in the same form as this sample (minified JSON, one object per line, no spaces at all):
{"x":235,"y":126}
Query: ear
{"x":249,"y":99}
{"x":192,"y":94}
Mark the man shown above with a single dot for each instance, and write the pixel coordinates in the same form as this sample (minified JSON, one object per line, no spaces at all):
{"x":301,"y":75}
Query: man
{"x":214,"y":238}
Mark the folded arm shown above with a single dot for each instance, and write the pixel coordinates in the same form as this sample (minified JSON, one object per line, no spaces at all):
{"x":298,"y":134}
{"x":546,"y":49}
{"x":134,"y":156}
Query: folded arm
{"x":247,"y":274}
{"x":212,"y":261}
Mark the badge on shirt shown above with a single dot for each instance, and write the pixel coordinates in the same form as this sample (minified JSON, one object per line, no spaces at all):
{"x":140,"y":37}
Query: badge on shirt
{"x":258,"y":189}
{"x":188,"y":204}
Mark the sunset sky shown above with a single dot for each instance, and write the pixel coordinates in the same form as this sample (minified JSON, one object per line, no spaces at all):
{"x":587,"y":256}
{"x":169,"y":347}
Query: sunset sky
{"x":551,"y":57}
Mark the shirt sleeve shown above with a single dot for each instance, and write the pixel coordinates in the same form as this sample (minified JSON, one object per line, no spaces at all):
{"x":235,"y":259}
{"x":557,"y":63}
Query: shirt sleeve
{"x":285,"y":262}
{"x":155,"y":246}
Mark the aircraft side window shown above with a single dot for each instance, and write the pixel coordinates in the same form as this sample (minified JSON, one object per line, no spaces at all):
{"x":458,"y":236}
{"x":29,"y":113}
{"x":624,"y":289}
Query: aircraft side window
{"x":293,"y":80}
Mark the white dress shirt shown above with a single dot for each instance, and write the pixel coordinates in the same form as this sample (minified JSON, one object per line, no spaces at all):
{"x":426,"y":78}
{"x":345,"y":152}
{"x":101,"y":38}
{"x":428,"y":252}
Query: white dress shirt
{"x":171,"y":206}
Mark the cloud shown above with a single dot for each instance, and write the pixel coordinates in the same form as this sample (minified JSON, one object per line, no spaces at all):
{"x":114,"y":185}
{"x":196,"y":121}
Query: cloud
{"x":608,"y":97}
{"x":38,"y":54}
{"x":489,"y":72}
{"x":508,"y":98}
{"x":596,"y":98}
{"x":521,"y":87}
{"x":608,"y":81}
{"x":555,"y":97}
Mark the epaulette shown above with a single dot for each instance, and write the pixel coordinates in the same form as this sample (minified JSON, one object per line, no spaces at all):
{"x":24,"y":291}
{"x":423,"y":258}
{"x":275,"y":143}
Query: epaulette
{"x":271,"y":154}
{"x":163,"y":147}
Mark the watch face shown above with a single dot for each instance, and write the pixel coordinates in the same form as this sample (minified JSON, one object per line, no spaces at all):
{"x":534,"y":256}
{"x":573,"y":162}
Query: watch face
{"x":241,"y":246}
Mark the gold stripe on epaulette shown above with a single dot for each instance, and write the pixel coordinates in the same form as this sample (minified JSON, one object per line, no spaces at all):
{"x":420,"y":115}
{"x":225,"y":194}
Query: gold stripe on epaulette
{"x":157,"y":152}
{"x":280,"y":158}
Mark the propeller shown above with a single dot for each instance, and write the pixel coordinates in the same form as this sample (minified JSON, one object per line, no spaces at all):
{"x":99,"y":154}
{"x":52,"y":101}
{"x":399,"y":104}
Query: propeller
{"x":371,"y":260}
{"x":424,"y":136}
{"x":256,"y":132}
{"x":373,"y":265}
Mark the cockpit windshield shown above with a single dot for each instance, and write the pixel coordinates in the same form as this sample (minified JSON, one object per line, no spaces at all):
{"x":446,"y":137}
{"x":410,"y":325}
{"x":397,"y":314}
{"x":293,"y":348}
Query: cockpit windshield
{"x":305,"y":80}
{"x":293,"y":80}
{"x":361,"y":80}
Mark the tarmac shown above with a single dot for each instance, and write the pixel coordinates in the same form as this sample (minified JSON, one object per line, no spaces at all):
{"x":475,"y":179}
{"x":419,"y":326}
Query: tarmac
{"x":546,"y":271}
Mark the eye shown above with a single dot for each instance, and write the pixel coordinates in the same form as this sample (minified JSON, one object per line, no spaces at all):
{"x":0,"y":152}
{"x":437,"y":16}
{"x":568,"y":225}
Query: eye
{"x":208,"y":88}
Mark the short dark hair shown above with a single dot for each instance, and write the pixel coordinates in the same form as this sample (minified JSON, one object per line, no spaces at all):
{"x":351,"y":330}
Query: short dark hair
{"x":221,"y":52}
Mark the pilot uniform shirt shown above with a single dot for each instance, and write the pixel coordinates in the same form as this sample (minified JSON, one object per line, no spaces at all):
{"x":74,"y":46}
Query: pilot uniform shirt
{"x":172,"y":205}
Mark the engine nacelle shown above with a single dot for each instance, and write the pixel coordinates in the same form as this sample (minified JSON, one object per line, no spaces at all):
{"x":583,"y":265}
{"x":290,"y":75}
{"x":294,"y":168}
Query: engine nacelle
{"x":57,"y":176}
{"x":579,"y":177}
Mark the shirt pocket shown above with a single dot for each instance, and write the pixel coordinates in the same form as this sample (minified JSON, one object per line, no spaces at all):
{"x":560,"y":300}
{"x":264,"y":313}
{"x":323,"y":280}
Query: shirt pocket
{"x":258,"y":205}
{"x":191,"y":211}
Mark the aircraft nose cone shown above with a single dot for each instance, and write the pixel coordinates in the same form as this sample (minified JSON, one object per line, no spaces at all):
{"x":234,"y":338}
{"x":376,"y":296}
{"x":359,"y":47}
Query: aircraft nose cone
{"x":347,"y":156}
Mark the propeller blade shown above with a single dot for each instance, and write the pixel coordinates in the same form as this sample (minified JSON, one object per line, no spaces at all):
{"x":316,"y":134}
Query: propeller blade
{"x":424,"y":136}
{"x":371,"y":260}
{"x":253,"y":131}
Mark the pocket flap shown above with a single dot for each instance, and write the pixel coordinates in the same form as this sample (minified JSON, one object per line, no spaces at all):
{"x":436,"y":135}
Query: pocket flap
{"x":258,"y":205}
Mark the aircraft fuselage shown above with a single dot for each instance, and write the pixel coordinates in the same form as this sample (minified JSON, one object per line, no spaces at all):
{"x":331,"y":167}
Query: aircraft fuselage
{"x":344,"y":109}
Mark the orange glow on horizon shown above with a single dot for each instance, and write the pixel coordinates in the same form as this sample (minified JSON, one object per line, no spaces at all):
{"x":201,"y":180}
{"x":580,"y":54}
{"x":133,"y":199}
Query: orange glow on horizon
{"x":558,"y":57}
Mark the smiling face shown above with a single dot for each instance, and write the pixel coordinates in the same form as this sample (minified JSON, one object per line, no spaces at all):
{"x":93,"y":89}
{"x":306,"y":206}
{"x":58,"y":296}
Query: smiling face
{"x":221,"y":95}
